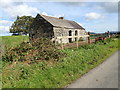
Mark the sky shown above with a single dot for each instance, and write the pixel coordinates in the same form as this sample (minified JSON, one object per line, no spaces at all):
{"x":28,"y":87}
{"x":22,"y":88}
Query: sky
{"x":93,"y":16}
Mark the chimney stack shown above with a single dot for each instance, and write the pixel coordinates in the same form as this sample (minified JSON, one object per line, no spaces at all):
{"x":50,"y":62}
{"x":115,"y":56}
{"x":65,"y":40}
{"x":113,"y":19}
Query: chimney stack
{"x":61,"y":17}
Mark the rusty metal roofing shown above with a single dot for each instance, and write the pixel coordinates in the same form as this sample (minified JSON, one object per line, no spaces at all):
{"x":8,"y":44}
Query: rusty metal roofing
{"x":62,"y":22}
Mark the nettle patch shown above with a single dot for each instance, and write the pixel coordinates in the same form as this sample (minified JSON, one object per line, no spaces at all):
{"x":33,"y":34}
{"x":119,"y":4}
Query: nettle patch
{"x":39,"y":49}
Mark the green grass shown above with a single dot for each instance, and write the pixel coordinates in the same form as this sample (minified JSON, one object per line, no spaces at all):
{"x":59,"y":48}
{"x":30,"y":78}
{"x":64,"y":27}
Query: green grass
{"x":48,"y":74}
{"x":13,"y":41}
{"x":95,"y":36}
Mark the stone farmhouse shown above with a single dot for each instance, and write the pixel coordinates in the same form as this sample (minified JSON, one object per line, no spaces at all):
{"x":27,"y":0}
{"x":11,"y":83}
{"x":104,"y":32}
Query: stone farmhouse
{"x":57,"y":29}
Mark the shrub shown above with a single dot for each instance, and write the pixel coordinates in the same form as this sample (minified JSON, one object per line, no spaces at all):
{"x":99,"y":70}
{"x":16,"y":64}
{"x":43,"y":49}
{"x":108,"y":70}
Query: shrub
{"x":39,"y":49}
{"x":81,"y":39}
{"x":86,"y":47}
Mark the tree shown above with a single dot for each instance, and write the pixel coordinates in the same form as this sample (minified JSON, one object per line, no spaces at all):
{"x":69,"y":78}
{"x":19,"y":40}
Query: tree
{"x":22,"y":24}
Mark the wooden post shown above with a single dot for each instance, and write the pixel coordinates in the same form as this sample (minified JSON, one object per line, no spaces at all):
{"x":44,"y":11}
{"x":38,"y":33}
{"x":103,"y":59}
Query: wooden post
{"x":77,"y":42}
{"x":55,"y":40}
{"x":108,"y":34}
{"x":89,"y":37}
{"x":61,"y":42}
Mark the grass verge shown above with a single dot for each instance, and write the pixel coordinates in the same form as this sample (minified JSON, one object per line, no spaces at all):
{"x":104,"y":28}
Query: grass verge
{"x":58,"y":74}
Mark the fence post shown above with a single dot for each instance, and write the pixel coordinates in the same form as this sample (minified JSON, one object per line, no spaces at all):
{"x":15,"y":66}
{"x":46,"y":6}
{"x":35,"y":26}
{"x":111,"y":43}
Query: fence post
{"x":77,"y":42}
{"x":89,"y":37}
{"x":55,"y":40}
{"x":108,"y":34}
{"x":61,"y":42}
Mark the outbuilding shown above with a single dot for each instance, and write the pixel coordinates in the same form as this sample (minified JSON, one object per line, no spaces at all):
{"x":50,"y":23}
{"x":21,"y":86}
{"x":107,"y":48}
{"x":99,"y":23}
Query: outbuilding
{"x":57,"y":29}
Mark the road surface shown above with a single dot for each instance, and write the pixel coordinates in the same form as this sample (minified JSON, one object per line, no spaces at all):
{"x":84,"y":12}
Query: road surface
{"x":103,"y":76}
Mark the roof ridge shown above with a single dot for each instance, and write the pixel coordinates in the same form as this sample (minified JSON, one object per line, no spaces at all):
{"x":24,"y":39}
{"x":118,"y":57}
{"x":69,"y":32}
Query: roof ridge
{"x":49,"y":16}
{"x":55,"y":17}
{"x":61,"y":22}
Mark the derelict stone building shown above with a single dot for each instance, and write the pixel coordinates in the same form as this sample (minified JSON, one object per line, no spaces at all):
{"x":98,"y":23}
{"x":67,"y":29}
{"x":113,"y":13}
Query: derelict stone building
{"x":57,"y":29}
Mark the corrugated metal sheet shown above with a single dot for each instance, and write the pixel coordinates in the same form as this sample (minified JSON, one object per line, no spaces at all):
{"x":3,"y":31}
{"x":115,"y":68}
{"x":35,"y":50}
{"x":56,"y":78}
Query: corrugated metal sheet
{"x":62,"y":22}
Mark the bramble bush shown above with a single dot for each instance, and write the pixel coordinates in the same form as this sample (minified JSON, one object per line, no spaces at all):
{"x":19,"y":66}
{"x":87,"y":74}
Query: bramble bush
{"x":38,"y":49}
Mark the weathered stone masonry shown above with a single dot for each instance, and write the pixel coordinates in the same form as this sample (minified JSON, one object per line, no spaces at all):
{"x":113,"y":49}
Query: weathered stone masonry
{"x":55,"y":28}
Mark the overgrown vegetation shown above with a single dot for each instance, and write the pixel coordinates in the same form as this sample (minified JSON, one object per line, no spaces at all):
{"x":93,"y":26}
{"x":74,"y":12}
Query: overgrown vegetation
{"x":40,"y":49}
{"x":56,"y":74}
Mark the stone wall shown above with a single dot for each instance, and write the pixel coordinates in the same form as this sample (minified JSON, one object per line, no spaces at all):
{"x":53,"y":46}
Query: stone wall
{"x":62,"y":32}
{"x":41,"y":28}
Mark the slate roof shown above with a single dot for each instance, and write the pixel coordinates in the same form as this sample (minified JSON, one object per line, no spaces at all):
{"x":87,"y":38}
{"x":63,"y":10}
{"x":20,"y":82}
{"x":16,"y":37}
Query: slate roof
{"x":62,"y":22}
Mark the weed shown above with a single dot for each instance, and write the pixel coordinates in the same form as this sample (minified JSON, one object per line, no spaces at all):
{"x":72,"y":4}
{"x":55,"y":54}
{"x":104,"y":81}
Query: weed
{"x":40,"y":49}
{"x":58,"y":74}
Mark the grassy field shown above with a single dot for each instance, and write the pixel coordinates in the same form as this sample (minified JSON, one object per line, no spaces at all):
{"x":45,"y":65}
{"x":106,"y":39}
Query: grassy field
{"x":93,"y":36}
{"x":12,"y":41}
{"x":48,"y":74}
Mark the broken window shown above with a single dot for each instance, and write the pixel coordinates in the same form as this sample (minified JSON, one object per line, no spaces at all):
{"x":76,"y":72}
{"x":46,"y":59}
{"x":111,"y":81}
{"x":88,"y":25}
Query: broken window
{"x":76,"y":33}
{"x":70,"y":33}
{"x":70,"y":40}
{"x":75,"y":39}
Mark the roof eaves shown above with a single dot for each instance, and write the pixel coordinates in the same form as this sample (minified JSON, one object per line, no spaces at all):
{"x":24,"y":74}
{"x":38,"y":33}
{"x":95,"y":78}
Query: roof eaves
{"x":67,"y":27}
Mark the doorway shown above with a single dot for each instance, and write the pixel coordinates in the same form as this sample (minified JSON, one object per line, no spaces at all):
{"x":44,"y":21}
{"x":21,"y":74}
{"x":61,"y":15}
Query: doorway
{"x":70,"y":40}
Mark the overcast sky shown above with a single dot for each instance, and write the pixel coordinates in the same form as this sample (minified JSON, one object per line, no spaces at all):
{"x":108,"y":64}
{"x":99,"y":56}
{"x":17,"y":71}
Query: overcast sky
{"x":93,"y":16}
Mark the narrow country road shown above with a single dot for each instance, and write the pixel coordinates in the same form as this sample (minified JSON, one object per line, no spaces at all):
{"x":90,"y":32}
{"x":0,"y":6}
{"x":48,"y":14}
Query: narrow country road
{"x":103,"y":76}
